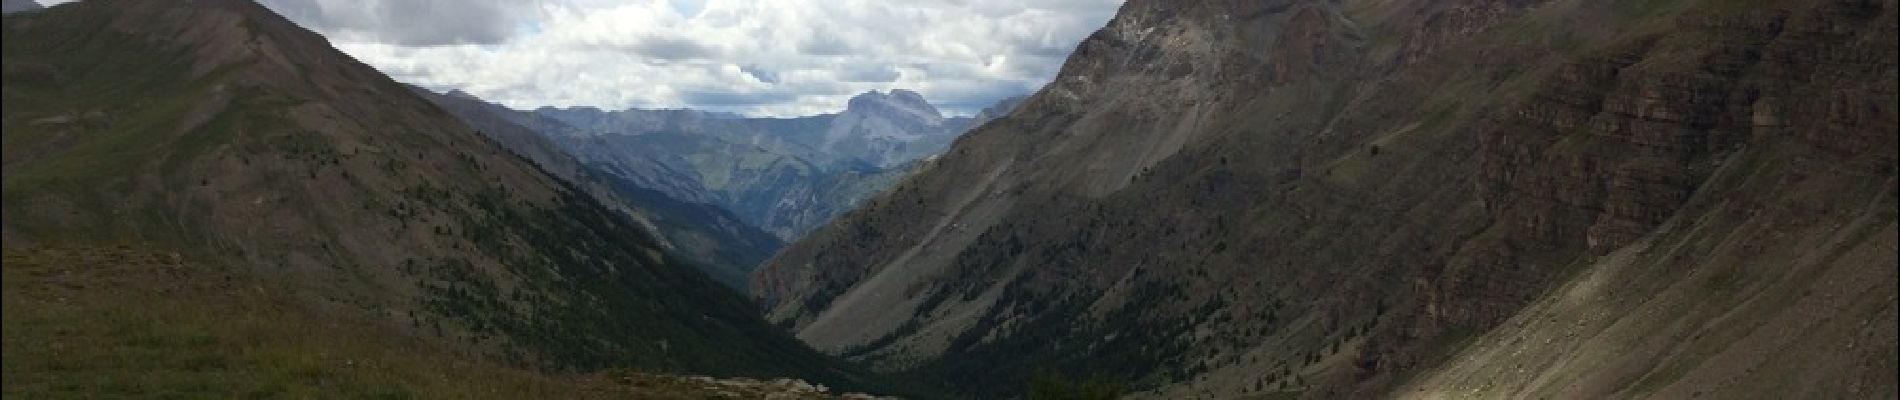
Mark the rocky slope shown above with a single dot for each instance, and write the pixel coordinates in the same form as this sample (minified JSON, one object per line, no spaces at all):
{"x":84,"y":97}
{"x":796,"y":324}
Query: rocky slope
{"x":1400,"y":198}
{"x":721,"y":243}
{"x":218,"y":131}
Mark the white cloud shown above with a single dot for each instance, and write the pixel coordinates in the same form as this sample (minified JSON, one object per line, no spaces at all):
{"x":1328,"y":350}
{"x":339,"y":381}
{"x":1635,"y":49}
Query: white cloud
{"x":759,"y":57}
{"x":409,"y":22}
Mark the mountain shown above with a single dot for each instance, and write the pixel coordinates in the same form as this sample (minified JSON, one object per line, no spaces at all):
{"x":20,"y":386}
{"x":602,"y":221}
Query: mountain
{"x":217,"y":134}
{"x":876,"y":129}
{"x":1411,"y":198}
{"x":887,"y":129}
{"x":784,"y":175}
{"x":723,"y":245}
{"x":991,"y":113}
{"x":13,"y":6}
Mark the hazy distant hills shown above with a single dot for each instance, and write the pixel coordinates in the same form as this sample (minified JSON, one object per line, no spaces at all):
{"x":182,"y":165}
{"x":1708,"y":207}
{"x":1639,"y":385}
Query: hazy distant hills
{"x":784,"y":175}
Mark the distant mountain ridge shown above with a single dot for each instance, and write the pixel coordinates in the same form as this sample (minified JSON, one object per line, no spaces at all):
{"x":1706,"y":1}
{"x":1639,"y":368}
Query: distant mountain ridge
{"x":13,"y":6}
{"x":783,"y":175}
{"x":723,"y":245}
{"x":876,"y":129}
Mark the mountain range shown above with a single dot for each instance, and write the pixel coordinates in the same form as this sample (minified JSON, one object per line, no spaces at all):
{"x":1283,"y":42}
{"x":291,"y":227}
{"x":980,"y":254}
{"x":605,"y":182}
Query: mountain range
{"x":714,"y":239}
{"x":711,"y":183}
{"x":784,"y":175}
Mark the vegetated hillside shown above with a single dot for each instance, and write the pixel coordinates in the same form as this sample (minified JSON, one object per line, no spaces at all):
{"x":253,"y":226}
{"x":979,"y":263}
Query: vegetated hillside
{"x":723,"y":245}
{"x":1352,"y":199}
{"x":784,"y":175}
{"x":222,"y":132}
{"x":123,"y":322}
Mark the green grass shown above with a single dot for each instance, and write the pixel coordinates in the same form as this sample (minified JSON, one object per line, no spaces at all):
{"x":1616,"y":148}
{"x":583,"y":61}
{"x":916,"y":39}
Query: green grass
{"x":118,"y":323}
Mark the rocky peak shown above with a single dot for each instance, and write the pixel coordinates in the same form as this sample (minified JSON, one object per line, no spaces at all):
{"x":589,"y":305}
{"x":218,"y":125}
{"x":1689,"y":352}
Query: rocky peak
{"x":910,"y":98}
{"x":899,"y":104}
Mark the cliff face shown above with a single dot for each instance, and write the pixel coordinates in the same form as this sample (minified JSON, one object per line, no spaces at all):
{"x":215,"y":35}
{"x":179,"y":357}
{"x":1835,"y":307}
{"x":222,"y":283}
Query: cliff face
{"x":1232,"y":198}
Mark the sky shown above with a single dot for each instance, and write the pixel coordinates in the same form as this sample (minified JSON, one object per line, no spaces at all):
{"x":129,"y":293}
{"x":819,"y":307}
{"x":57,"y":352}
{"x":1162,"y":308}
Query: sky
{"x":753,"y":57}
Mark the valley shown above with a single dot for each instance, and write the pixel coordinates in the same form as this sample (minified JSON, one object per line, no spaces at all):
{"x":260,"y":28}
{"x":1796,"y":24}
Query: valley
{"x":1231,"y":199}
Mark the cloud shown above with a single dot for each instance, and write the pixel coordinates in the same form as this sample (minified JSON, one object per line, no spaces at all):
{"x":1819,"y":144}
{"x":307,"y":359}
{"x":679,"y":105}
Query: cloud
{"x":868,"y":73}
{"x":672,"y":48}
{"x":726,"y":98}
{"x":409,"y":22}
{"x":825,"y":44}
{"x":755,"y":57}
{"x":763,"y":74}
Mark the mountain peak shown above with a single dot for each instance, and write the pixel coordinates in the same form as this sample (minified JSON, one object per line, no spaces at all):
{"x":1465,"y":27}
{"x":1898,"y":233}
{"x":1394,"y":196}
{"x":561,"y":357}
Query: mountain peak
{"x":899,"y":102}
{"x":908,"y":96}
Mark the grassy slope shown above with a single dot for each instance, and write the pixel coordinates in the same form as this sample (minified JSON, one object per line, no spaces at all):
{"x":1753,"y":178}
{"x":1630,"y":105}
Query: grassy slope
{"x":121,"y":322}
